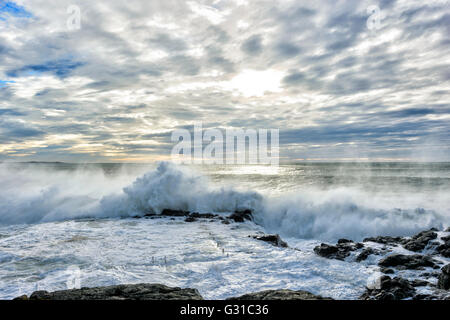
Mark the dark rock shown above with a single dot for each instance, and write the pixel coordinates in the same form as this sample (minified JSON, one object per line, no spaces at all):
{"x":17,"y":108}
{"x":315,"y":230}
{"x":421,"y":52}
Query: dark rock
{"x":174,"y":213}
{"x":387,"y":270}
{"x":386,"y":240}
{"x":203,"y":215}
{"x":359,"y":245}
{"x":190,"y":219}
{"x":226,"y":221}
{"x":390,"y":289}
{"x":447,"y":230}
{"x":344,"y":241}
{"x":273,"y":239}
{"x":444,"y":249}
{"x":121,"y":292}
{"x":339,"y":252}
{"x":419,"y":283}
{"x":329,"y":251}
{"x":22,"y":297}
{"x":241,"y":216}
{"x":444,"y":278}
{"x":401,"y":261}
{"x":282,"y":294}
{"x":419,"y":241}
{"x":365,"y":254}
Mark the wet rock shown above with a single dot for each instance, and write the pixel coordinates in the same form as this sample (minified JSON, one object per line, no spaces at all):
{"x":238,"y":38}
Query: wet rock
{"x":121,"y":292}
{"x":174,"y":213}
{"x":444,"y":278}
{"x":203,"y":215}
{"x":190,"y":219}
{"x":282,"y":294}
{"x":386,"y":240}
{"x":365,"y":254}
{"x":387,"y":270}
{"x":402,"y":262}
{"x":419,"y":283}
{"x":274,"y":239}
{"x":331,"y":252}
{"x":241,"y":216}
{"x":390,"y":289}
{"x":444,"y":249}
{"x":226,"y":221}
{"x":22,"y":297}
{"x":340,"y":251}
{"x":419,"y":241}
{"x":447,"y":230}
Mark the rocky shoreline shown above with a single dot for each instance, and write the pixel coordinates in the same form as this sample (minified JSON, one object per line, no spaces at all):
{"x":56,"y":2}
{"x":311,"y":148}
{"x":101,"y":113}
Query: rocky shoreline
{"x":145,"y":291}
{"x":423,"y":258}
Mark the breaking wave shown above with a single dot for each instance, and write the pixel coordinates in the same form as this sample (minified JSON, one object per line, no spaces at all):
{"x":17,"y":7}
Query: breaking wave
{"x":35,"y":195}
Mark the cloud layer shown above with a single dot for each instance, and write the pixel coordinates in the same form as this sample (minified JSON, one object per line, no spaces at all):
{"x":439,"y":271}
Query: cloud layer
{"x":341,"y":80}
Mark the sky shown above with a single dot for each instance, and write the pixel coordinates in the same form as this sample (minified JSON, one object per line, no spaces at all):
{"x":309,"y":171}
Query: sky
{"x":341,"y":80}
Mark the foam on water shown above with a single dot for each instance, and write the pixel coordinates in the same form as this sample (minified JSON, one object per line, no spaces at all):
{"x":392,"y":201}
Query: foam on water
{"x":54,"y":220}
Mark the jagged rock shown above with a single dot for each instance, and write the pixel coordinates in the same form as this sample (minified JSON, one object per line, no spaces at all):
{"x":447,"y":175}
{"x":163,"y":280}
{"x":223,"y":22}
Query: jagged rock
{"x":444,"y":278}
{"x":121,"y":292}
{"x":190,"y":219}
{"x":339,"y":252}
{"x":273,"y":239}
{"x":386,"y":240}
{"x":203,"y":215}
{"x":419,"y":241}
{"x":387,"y":270}
{"x":419,"y":283}
{"x":283,"y":294}
{"x":401,"y":261}
{"x":390,"y":289}
{"x":444,"y":249}
{"x":344,"y":241}
{"x":365,"y":254}
{"x":241,"y":216}
{"x":174,"y":213}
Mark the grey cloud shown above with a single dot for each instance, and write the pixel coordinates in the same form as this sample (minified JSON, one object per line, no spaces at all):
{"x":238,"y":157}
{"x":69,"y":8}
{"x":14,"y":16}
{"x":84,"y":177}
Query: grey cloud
{"x":253,"y":45}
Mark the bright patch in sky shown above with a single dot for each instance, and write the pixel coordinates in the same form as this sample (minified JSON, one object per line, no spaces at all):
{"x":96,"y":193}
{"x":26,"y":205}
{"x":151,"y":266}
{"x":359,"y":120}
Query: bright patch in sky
{"x":256,"y":83}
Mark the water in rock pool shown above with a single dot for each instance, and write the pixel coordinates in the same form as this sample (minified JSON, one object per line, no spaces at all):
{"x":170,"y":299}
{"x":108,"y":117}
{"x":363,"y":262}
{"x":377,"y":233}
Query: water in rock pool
{"x":56,"y":218}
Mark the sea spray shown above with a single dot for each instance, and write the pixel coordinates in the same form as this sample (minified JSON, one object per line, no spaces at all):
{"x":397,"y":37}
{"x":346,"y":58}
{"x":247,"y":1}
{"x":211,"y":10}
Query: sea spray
{"x":31,"y":194}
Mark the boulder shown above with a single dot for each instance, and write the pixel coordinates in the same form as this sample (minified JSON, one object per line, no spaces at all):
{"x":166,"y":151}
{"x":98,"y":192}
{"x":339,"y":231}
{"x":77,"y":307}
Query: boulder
{"x":241,"y":216}
{"x":386,"y":240}
{"x":444,"y":278}
{"x":365,"y":254}
{"x":444,"y":249}
{"x":339,"y":251}
{"x":273,"y":239}
{"x":283,"y":294}
{"x":402,"y":262}
{"x":121,"y":292}
{"x":390,"y":289}
{"x":174,"y":213}
{"x":419,"y":241}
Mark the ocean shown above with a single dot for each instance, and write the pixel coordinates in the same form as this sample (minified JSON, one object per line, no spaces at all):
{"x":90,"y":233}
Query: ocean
{"x":67,"y":225}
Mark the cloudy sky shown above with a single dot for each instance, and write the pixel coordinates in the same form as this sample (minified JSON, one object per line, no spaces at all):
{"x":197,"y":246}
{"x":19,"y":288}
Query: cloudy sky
{"x":340,"y":79}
